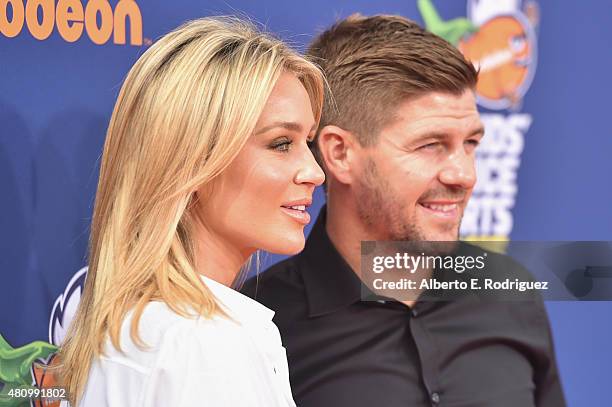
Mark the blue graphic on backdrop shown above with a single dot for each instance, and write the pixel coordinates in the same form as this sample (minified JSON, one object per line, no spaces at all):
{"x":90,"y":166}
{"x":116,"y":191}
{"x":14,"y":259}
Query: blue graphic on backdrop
{"x":541,"y":166}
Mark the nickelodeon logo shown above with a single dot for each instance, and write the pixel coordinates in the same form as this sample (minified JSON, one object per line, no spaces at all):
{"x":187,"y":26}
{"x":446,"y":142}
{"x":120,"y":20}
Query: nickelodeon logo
{"x":97,"y":18}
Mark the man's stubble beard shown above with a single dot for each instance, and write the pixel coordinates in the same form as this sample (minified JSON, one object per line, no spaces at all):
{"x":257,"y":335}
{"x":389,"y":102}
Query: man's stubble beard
{"x":382,"y":213}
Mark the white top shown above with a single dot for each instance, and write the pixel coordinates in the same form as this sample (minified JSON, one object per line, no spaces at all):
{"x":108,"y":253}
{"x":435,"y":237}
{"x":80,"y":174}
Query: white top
{"x":197,"y":361}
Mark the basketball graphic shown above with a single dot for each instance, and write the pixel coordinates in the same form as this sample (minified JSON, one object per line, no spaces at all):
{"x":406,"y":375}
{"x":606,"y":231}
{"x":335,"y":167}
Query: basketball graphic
{"x":499,"y":38}
{"x":503,"y":49}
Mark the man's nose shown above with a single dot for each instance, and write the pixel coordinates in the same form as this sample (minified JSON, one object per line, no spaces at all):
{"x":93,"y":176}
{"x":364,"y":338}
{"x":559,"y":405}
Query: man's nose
{"x":460,"y":170}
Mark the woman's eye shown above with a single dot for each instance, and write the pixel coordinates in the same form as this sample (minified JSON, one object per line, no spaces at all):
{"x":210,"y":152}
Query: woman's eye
{"x":281,"y":145}
{"x":474,"y":143}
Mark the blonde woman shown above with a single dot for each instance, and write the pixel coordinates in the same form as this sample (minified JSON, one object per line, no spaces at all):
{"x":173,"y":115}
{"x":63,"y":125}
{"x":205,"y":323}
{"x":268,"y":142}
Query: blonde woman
{"x":205,"y":161}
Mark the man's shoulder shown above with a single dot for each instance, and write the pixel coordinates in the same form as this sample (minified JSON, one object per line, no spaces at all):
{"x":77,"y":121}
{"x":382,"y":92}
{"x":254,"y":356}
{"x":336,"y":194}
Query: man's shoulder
{"x":496,"y":265}
{"x":502,"y":268}
{"x":278,"y":285}
{"x":501,"y":265}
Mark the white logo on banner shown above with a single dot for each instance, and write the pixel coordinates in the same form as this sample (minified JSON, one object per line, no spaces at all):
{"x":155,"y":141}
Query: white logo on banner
{"x":489,"y":212}
{"x":65,"y":307}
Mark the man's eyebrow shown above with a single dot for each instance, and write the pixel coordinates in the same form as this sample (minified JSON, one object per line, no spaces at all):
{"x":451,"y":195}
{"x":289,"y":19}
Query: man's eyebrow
{"x":480,"y":130}
{"x":438,"y":135}
{"x":291,"y":126}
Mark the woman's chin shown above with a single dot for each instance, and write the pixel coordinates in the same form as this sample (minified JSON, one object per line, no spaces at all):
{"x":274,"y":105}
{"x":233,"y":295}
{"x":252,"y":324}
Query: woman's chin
{"x":287,"y":245}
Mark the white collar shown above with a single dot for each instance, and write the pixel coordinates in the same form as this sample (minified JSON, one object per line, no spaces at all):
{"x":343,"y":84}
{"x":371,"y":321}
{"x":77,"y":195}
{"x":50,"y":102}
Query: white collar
{"x":239,"y":306}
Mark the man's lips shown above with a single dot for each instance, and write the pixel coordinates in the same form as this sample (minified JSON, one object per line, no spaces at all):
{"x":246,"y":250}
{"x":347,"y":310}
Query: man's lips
{"x":442,"y":209}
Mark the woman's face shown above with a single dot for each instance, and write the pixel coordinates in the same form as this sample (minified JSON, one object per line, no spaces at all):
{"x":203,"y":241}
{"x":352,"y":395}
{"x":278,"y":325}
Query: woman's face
{"x":259,"y":201}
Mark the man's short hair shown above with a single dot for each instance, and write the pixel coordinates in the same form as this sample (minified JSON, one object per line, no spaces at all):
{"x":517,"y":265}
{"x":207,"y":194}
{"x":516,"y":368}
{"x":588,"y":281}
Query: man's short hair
{"x":374,"y":63}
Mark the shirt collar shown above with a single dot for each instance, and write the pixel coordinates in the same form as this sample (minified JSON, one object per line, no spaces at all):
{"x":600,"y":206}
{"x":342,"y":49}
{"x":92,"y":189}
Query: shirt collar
{"x":331,"y":284}
{"x":329,"y":281}
{"x":237,"y":305}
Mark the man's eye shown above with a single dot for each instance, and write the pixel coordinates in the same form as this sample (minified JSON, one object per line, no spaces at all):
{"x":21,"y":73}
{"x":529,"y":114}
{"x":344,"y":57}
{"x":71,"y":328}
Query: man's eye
{"x":474,"y":143}
{"x":430,"y":146}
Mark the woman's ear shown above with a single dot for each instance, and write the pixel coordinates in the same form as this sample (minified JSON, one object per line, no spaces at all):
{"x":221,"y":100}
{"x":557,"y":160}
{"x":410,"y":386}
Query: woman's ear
{"x":337,"y":148}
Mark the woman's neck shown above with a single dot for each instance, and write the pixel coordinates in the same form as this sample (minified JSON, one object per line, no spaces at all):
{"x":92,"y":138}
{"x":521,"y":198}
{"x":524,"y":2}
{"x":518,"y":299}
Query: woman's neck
{"x":218,"y":258}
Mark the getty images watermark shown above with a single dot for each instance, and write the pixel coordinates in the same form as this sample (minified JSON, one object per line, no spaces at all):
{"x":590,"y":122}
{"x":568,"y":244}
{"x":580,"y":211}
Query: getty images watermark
{"x":407,"y":271}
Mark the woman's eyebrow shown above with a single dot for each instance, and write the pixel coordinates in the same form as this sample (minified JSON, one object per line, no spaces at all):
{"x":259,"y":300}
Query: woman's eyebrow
{"x":292,"y":126}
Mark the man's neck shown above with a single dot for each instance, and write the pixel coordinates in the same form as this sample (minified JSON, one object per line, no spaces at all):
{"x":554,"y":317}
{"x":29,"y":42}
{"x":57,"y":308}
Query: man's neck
{"x":346,"y":233}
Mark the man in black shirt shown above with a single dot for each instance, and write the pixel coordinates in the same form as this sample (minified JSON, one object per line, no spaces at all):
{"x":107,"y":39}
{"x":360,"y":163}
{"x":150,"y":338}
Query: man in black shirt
{"x":397,"y":142}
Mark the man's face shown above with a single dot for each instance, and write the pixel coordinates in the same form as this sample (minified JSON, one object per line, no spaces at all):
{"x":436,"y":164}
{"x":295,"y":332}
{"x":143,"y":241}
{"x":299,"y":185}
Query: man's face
{"x":415,"y":182}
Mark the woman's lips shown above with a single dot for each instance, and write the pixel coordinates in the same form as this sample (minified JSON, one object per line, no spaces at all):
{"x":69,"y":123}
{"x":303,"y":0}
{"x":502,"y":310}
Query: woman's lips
{"x":299,"y":215}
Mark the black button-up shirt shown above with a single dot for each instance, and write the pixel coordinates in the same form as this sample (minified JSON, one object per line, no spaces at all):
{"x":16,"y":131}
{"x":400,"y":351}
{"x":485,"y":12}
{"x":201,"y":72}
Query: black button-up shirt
{"x":346,"y":352}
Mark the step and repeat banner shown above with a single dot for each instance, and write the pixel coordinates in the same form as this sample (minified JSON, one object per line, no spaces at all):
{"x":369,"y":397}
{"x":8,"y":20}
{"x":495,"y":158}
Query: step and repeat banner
{"x":544,"y":166}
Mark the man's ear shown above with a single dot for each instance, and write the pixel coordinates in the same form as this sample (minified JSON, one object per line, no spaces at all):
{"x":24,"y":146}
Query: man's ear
{"x":338,"y":151}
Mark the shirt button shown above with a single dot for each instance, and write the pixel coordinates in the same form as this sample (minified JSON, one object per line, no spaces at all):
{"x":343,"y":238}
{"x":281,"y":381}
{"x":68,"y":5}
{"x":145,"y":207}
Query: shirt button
{"x":414,"y":312}
{"x":435,"y":398}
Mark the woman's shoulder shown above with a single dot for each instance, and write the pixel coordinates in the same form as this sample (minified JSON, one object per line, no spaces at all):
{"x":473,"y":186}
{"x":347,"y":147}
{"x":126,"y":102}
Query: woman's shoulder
{"x":161,"y":330}
{"x":176,"y":348}
{"x":246,"y":327}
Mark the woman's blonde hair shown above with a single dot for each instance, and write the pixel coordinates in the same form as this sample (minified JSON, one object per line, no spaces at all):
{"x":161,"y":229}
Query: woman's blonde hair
{"x":186,"y":109}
